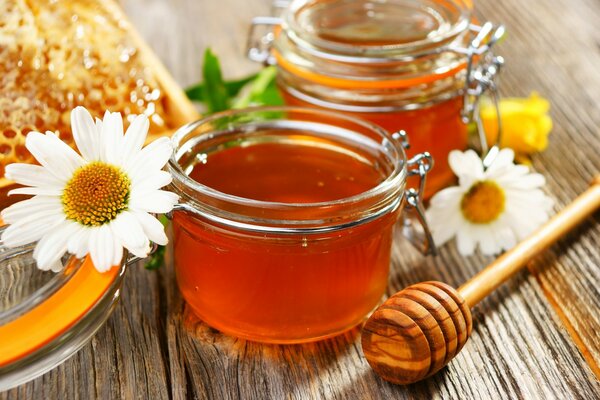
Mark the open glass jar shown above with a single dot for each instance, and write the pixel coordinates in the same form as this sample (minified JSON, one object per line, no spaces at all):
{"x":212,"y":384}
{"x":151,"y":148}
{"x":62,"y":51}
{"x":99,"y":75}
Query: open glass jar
{"x":284,"y":229}
{"x":417,"y":65}
{"x":46,"y":317}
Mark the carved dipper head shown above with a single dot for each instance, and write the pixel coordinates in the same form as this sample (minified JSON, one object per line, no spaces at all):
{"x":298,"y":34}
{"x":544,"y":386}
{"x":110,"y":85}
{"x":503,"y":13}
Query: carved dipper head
{"x":421,"y":328}
{"x":416,"y":332}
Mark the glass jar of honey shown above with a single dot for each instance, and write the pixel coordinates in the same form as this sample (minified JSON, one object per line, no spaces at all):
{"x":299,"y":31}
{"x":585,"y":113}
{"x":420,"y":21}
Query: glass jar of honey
{"x":417,"y":65}
{"x":284,"y":228}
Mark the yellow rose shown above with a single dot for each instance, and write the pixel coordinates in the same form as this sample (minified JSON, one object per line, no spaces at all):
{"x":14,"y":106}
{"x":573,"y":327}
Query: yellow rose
{"x":525,"y":123}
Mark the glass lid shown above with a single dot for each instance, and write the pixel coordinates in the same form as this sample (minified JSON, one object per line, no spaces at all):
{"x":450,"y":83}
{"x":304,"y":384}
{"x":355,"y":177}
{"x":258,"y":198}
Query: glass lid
{"x":373,"y":27}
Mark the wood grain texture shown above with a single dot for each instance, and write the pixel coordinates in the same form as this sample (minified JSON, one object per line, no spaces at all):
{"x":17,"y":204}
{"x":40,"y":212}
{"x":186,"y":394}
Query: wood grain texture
{"x":562,"y":44}
{"x":153,"y":347}
{"x":505,"y":266}
{"x":416,"y":331}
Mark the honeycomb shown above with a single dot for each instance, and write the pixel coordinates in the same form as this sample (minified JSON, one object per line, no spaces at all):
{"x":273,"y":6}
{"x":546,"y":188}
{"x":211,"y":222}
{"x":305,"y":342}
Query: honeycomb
{"x":58,"y":54}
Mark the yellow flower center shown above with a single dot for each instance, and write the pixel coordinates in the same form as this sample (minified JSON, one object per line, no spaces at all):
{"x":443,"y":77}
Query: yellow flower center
{"x":96,"y":194}
{"x":483,"y":203}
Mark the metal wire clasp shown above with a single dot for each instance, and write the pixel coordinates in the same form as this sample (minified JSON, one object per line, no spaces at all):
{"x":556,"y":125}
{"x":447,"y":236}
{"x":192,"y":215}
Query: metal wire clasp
{"x":482,"y":68}
{"x":262,"y":35}
{"x":415,"y":227}
{"x":258,"y":46}
{"x":132,"y":259}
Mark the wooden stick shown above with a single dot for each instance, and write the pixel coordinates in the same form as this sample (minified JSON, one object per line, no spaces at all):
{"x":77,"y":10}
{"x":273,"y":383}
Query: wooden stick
{"x":418,"y":330}
{"x":486,"y":281}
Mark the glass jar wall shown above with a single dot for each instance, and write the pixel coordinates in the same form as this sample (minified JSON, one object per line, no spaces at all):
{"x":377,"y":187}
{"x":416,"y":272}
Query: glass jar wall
{"x":401,"y":64}
{"x":284,"y":231}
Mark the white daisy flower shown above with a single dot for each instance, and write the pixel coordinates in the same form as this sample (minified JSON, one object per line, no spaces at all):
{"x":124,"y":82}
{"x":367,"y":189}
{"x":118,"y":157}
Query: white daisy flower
{"x":95,"y":202}
{"x":493,"y":208}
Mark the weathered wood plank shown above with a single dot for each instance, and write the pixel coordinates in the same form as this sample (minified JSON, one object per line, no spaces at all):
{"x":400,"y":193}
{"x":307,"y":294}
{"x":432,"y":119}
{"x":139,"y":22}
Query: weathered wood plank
{"x":125,"y":359}
{"x":562,"y":65}
{"x":153,"y":347}
{"x":518,"y":349}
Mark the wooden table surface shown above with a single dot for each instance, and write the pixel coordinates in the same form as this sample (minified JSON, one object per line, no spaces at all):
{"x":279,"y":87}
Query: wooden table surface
{"x":536,"y":337}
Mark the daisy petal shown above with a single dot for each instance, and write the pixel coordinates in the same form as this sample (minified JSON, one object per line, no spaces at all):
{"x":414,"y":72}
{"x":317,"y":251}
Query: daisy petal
{"x":447,"y":197}
{"x":57,"y":266}
{"x":157,"y":201}
{"x":53,"y":154}
{"x":152,"y":228}
{"x":446,"y":231}
{"x":487,"y":242}
{"x":134,"y":138}
{"x":32,"y":175}
{"x":503,"y":160}
{"x":152,"y":181}
{"x":85,"y":133}
{"x":98,"y":129}
{"x":53,"y":246}
{"x":127,"y":228}
{"x":101,"y":247}
{"x":530,"y":181}
{"x":117,"y":251}
{"x":78,"y":243}
{"x":151,"y":158}
{"x":142,"y":251}
{"x":505,"y":238}
{"x":36,"y":191}
{"x":465,"y":242}
{"x":36,"y":205}
{"x":28,"y":231}
{"x":466,"y":164}
{"x":507,"y":173}
{"x":112,"y":137}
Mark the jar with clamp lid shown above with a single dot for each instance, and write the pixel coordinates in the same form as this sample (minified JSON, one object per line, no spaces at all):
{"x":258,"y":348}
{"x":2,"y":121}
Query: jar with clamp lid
{"x":285,"y":224}
{"x":416,"y":65}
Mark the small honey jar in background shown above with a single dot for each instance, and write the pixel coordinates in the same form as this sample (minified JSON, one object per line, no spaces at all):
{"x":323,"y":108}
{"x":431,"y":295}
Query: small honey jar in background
{"x":413,"y":65}
{"x":284,"y":229}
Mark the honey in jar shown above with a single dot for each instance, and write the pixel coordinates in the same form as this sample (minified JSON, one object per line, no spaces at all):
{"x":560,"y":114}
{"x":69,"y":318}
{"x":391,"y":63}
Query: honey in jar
{"x":401,"y":64}
{"x":285,"y":226}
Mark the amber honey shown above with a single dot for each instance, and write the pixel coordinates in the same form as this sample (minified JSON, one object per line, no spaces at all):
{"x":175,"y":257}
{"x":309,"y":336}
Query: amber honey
{"x":288,"y":231}
{"x":395,"y":63}
{"x":283,"y":286}
{"x":437,"y":129}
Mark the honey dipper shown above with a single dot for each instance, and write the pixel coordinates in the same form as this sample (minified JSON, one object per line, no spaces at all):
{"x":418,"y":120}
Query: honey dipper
{"x":417,"y":331}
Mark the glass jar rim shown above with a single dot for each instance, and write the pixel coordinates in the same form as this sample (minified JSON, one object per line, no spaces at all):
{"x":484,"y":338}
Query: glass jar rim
{"x":49,"y":317}
{"x":304,"y":37}
{"x":394,"y":179}
{"x":436,"y":62}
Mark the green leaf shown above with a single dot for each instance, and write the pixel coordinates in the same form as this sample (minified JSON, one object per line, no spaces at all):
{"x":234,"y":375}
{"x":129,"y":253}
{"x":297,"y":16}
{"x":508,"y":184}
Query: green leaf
{"x":198,"y":92}
{"x":219,"y":95}
{"x":215,"y":92}
{"x":157,"y":259}
{"x":270,"y":96}
{"x":263,"y":91}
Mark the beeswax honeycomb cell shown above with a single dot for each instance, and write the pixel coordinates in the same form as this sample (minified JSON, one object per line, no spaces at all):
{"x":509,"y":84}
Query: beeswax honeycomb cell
{"x":56,"y":55}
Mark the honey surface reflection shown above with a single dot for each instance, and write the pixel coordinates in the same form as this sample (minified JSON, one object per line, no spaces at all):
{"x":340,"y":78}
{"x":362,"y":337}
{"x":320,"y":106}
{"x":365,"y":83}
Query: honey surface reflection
{"x":284,"y":288}
{"x":437,"y":129}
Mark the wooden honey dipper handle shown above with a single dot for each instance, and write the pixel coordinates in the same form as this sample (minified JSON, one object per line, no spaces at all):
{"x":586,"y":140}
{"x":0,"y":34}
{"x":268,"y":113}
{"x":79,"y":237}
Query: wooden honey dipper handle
{"x":486,"y":281}
{"x":418,"y":330}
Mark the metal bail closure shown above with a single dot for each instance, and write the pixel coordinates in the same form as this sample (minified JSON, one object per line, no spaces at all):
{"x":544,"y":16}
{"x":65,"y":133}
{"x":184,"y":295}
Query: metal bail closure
{"x":415,"y":227}
{"x":260,"y":39}
{"x":482,"y":68}
{"x":262,"y":35}
{"x":132,"y":259}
